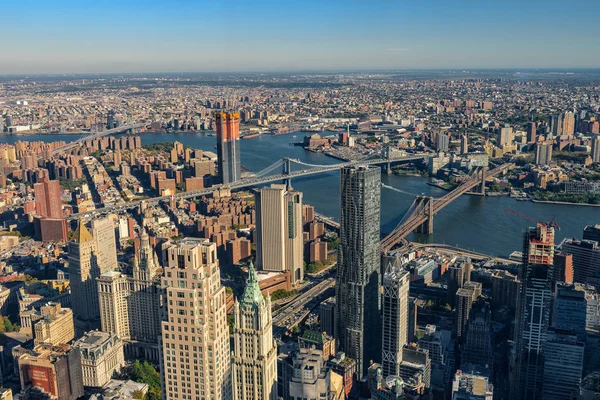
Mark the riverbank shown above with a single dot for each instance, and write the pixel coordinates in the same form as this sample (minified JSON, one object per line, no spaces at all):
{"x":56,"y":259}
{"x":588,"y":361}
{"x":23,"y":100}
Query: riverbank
{"x":564,"y":203}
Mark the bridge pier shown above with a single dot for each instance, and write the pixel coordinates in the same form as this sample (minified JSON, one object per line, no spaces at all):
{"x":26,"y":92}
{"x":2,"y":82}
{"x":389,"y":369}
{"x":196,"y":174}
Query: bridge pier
{"x":388,"y":168}
{"x":426,"y":227}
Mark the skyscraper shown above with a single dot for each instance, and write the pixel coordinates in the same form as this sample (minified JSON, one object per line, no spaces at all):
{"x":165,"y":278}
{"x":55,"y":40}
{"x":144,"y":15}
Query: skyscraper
{"x":129,"y":304}
{"x":103,"y":231}
{"x":254,"y":374}
{"x":533,"y":312}
{"x":506,"y":136}
{"x":279,"y":239}
{"x":358,"y":276}
{"x":465,"y":297}
{"x":477,"y":348}
{"x":195,"y":335}
{"x":563,"y":365}
{"x":464,"y":144}
{"x":47,"y":199}
{"x":586,"y":258}
{"x":228,"y":146}
{"x":83,"y":271}
{"x":395,"y":318}
{"x":570,"y":309}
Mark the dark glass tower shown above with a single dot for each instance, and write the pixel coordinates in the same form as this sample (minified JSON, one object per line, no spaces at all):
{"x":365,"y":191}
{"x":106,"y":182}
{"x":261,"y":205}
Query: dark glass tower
{"x":358,"y":274}
{"x":533,"y":313}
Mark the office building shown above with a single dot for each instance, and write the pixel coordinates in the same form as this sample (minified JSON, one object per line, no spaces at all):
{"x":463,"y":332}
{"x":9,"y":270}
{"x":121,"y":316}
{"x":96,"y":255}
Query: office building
{"x":457,"y":274}
{"x":440,"y":347}
{"x":533,"y":312}
{"x":101,"y":357}
{"x":128,"y":304}
{"x":570,"y":309}
{"x":55,"y":325}
{"x":48,"y":203}
{"x":84,"y":268}
{"x":543,"y":153}
{"x":394,"y":318}
{"x":563,"y":365}
{"x":477,"y":348}
{"x":415,"y":366}
{"x":195,"y":335}
{"x":505,"y":289}
{"x":327,"y":317}
{"x":311,"y":377}
{"x":254,"y":366}
{"x":471,"y":387}
{"x":592,"y":232}
{"x":586,"y":258}
{"x":563,"y":266}
{"x":506,"y":136}
{"x":279,"y":238}
{"x":51,"y":372}
{"x":103,"y":231}
{"x":346,"y":368}
{"x":595,"y":154}
{"x":443,"y":142}
{"x":358,"y":269}
{"x":228,"y":146}
{"x":531,"y":132}
{"x":465,"y":297}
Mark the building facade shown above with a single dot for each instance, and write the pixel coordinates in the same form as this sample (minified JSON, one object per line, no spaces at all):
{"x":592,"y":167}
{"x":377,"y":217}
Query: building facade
{"x":228,"y":146}
{"x":279,"y":237}
{"x":254,"y":366}
{"x":195,"y":335}
{"x":101,"y":357}
{"x":394,"y":318}
{"x":533,"y":312}
{"x":358,"y":275}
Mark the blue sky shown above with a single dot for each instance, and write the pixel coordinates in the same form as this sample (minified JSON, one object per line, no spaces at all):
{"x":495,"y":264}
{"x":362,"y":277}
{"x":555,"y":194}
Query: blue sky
{"x":267,"y":35}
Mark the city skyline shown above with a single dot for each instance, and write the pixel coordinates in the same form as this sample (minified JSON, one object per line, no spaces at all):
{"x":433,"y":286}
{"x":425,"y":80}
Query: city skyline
{"x":66,"y":38}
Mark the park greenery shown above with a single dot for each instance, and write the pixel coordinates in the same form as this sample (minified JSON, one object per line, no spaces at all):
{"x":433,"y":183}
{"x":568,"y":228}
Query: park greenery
{"x":144,"y":372}
{"x":282,"y":294}
{"x":587,"y":198}
{"x":7,"y":326}
{"x":71,"y":184}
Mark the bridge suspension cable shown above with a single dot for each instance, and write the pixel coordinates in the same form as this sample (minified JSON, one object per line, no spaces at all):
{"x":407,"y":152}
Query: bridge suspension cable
{"x":270,"y":168}
{"x":296,"y":161}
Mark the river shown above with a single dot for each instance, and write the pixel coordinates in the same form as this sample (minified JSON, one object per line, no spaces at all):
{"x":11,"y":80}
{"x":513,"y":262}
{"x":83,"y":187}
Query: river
{"x":471,"y":222}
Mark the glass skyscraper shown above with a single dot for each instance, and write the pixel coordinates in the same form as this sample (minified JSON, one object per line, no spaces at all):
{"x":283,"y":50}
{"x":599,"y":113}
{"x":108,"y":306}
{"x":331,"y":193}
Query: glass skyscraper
{"x":358,"y":274}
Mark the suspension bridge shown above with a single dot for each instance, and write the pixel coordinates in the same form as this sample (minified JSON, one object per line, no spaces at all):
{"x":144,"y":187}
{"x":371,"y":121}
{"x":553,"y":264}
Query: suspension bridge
{"x":419,"y":216}
{"x":90,"y":136}
{"x":268,"y":175}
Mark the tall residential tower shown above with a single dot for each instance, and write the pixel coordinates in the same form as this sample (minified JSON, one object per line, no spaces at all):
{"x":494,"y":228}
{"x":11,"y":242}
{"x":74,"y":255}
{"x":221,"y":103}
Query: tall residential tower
{"x":358,"y":276}
{"x":228,"y":146}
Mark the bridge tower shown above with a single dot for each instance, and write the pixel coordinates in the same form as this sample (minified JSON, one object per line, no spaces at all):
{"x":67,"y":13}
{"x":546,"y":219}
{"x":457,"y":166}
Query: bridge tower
{"x":287,"y":169}
{"x":482,"y":185}
{"x":427,"y":226}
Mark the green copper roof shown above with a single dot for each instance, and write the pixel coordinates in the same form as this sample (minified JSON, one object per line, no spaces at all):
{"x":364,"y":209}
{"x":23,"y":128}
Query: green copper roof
{"x":252,"y":294}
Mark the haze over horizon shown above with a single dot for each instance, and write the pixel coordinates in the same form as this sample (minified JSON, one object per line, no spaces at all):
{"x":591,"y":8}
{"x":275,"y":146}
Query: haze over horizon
{"x":240,"y":36}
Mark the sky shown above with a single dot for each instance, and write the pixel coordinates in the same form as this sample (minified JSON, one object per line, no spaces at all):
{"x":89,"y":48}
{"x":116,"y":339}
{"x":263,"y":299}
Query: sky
{"x":120,"y":36}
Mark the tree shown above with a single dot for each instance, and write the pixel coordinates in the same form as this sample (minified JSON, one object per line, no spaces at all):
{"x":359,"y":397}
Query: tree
{"x":146,"y":373}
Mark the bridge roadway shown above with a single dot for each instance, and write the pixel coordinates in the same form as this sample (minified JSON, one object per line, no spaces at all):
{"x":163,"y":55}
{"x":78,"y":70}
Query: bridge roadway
{"x":418,"y":217}
{"x":75,"y":143}
{"x":248,"y":182}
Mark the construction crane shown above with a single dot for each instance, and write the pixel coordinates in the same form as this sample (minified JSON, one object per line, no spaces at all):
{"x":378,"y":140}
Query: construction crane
{"x":552,"y":223}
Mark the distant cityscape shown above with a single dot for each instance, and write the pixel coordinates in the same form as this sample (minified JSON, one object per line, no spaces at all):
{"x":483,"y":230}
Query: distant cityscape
{"x":145,"y":255}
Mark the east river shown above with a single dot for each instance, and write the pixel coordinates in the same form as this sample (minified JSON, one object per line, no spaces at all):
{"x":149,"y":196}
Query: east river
{"x":471,"y":222}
